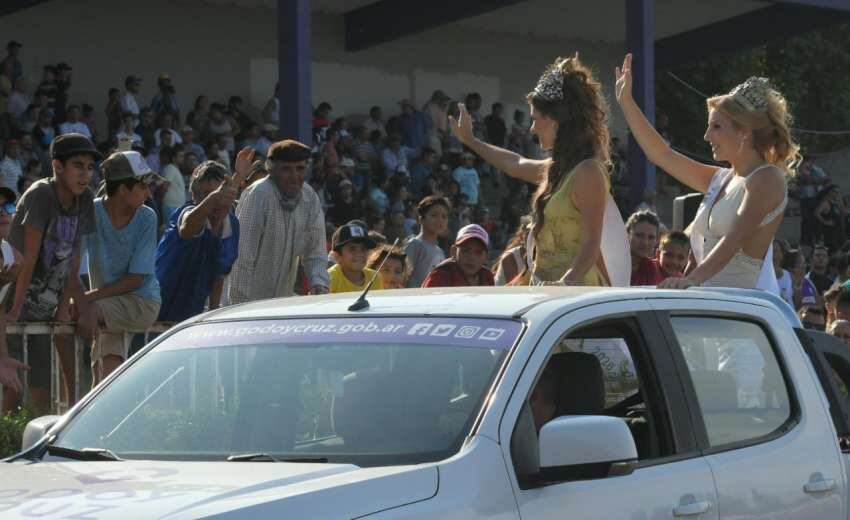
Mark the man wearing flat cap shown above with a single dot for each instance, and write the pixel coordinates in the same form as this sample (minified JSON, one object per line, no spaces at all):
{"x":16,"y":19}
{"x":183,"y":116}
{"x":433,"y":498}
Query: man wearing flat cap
{"x":281,"y":221}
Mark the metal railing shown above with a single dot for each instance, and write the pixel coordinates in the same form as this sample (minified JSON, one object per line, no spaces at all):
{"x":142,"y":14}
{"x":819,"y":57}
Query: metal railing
{"x":57,"y":404}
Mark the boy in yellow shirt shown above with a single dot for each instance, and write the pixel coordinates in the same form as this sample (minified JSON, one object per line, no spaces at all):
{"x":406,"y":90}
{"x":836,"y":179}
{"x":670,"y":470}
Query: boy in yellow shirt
{"x":351,"y":243}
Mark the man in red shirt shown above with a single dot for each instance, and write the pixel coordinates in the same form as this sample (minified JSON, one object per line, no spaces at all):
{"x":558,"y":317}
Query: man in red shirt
{"x":466,"y":265}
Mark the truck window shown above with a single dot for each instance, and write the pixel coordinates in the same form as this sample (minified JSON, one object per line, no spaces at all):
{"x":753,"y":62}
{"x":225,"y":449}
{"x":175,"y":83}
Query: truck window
{"x":593,"y":371}
{"x":737,"y":379}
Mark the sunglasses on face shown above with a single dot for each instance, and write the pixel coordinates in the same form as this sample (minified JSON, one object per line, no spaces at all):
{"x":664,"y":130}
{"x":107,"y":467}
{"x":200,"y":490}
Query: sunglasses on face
{"x":8,"y":208}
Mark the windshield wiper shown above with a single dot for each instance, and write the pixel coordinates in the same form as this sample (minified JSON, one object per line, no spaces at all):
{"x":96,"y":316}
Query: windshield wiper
{"x":265,"y":457}
{"x":83,"y":454}
{"x":251,"y":457}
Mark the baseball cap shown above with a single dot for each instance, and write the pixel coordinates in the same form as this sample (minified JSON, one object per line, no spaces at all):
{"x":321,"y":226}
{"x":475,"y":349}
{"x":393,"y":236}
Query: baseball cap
{"x":468,"y":155}
{"x":348,"y":162}
{"x":132,"y":79}
{"x":164,"y":76}
{"x":351,"y":233}
{"x":188,"y":129}
{"x":129,"y":165}
{"x":470,"y":232}
{"x":72,"y":144}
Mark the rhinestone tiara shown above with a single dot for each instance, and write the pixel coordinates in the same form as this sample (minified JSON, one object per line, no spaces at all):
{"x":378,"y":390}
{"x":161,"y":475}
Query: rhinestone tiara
{"x":550,"y":86}
{"x":752,"y":94}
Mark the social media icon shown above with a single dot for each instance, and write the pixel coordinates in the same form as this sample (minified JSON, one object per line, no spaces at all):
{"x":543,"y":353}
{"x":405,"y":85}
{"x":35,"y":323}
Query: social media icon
{"x":419,"y":329}
{"x":491,"y":334}
{"x":443,"y":330}
{"x":467,"y":332}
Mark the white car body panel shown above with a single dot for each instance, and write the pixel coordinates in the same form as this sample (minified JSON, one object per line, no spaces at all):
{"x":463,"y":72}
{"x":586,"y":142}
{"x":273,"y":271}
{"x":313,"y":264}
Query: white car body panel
{"x":758,"y":482}
{"x":765,"y":481}
{"x":185,"y":490}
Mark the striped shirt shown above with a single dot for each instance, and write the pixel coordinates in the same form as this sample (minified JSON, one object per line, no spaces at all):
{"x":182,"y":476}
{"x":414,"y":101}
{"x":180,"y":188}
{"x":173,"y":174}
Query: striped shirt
{"x":272,"y":240}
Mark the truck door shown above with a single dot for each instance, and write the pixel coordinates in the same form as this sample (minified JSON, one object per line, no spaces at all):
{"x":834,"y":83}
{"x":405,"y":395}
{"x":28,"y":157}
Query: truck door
{"x":758,"y":416}
{"x":630,"y":379}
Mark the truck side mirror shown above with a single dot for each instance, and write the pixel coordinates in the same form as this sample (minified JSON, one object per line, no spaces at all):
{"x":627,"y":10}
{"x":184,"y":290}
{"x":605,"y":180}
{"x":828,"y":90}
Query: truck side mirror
{"x":36,"y":429}
{"x":584,"y":447}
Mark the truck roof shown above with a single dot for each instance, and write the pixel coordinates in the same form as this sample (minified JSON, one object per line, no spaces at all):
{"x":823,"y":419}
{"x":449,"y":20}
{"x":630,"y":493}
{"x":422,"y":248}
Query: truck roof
{"x":495,"y":302}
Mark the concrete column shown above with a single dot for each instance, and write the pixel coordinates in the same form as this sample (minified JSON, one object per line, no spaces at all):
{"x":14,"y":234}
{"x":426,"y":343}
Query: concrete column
{"x":640,"y":41}
{"x":294,"y":69}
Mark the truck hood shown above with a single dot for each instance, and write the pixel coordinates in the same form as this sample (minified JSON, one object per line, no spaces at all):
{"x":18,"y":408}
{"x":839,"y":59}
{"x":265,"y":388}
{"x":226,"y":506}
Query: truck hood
{"x":183,"y":490}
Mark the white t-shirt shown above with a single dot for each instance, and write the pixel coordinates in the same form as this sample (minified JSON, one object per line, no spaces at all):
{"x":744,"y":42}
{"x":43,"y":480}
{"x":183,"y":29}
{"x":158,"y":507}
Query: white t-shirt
{"x":129,"y":104}
{"x":78,"y":127}
{"x":134,"y":138}
{"x":786,"y":287}
{"x":175,"y":195}
{"x":10,"y":172}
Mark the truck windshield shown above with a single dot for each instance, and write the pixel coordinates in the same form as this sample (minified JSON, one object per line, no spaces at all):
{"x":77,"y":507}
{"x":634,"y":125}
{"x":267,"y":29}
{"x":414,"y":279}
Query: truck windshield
{"x":370,"y":391}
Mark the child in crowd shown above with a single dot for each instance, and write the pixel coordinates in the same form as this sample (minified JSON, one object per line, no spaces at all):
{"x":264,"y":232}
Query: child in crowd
{"x":466,"y":266}
{"x":422,"y":251}
{"x":673,"y":254}
{"x":394,"y":272}
{"x":830,"y":301}
{"x":512,"y":264}
{"x":644,"y":228}
{"x":351,"y":243}
{"x":841,"y":330}
{"x":812,"y":317}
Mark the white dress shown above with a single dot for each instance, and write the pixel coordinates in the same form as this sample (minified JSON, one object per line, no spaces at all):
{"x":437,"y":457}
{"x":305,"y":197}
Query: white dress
{"x":714,"y":221}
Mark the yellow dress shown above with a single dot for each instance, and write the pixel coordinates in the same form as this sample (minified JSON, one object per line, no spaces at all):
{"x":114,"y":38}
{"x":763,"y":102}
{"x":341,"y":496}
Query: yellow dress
{"x":559,"y":240}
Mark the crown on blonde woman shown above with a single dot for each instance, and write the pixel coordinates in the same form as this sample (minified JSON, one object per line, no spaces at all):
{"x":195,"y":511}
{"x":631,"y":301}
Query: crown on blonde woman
{"x":752,"y":94}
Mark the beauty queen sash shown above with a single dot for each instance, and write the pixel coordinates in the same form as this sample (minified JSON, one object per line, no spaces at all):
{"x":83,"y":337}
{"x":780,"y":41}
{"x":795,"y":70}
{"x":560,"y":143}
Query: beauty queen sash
{"x":699,"y":229}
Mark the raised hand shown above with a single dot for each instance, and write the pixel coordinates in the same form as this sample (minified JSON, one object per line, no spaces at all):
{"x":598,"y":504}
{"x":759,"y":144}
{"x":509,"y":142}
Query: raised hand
{"x":623,"y":80}
{"x":227,"y":192}
{"x":462,"y":126}
{"x":244,"y":162}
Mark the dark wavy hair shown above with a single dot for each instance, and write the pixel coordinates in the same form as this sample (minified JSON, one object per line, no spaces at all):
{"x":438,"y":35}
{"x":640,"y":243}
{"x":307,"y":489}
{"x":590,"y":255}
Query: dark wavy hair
{"x":582,"y":117}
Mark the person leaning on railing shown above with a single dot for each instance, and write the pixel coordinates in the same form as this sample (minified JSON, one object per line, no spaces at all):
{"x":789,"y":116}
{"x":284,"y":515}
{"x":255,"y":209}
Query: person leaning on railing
{"x":51,"y":219}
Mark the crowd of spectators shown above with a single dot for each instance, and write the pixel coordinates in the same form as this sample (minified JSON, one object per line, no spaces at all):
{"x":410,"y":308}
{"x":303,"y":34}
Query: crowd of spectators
{"x":194,"y":211}
{"x":154,"y":216}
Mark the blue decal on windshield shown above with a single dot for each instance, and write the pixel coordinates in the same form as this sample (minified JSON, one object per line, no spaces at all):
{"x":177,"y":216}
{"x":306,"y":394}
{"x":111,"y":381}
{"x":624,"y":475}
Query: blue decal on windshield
{"x":460,"y":332}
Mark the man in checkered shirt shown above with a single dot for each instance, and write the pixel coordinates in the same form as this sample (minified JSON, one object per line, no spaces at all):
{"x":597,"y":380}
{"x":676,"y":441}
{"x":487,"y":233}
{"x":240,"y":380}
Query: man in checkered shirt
{"x":281,"y":221}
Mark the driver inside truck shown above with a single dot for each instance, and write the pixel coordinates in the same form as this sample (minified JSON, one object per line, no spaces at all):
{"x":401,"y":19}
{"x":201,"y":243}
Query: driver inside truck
{"x":542,"y":401}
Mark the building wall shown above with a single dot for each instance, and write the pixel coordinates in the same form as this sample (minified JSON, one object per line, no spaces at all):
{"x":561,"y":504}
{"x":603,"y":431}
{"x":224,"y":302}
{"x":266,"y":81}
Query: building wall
{"x":221,"y":51}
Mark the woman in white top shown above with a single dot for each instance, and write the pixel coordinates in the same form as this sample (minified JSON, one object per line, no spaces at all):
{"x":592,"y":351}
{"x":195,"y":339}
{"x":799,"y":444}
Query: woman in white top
{"x":734,"y":228}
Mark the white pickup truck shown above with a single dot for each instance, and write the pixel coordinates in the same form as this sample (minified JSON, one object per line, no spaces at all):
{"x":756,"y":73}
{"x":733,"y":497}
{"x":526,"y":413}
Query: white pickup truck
{"x":498,"y":403}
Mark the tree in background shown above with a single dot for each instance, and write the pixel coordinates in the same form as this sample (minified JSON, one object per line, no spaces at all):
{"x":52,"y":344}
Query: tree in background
{"x":812,"y":70}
